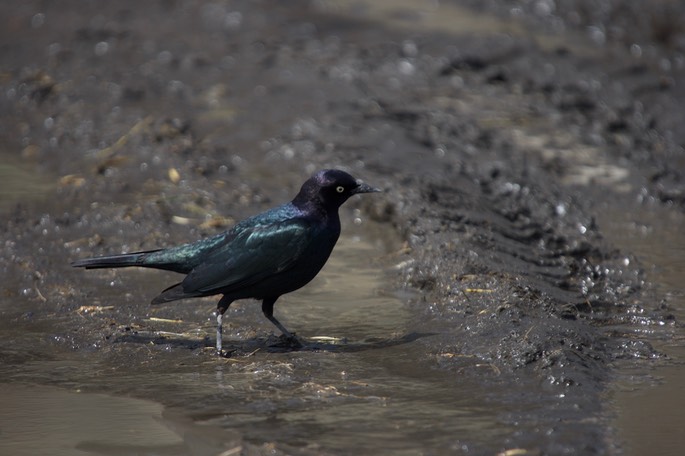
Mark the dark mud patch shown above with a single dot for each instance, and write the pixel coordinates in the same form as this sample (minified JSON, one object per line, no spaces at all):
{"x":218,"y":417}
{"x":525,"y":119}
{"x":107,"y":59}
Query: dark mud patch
{"x":496,"y":148}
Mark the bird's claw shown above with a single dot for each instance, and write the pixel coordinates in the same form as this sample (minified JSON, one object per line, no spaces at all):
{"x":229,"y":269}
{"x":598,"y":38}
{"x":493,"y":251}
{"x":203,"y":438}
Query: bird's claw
{"x":288,"y":341}
{"x":294,"y":342}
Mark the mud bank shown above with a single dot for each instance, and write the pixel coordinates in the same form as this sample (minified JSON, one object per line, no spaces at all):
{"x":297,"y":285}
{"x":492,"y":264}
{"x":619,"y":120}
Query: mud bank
{"x":496,"y":142}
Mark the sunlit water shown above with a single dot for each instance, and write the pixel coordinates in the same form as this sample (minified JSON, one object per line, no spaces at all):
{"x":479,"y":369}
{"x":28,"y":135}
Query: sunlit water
{"x":362,"y":376}
{"x":40,"y":420}
{"x":20,"y":183}
{"x":650,"y":405}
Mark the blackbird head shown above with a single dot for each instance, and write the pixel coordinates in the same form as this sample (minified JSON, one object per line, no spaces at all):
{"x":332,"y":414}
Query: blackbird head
{"x":330,"y":188}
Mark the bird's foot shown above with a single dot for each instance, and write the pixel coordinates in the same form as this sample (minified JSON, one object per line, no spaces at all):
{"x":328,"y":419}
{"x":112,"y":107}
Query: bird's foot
{"x":293,"y":341}
{"x":224,"y":353}
{"x":289,"y":341}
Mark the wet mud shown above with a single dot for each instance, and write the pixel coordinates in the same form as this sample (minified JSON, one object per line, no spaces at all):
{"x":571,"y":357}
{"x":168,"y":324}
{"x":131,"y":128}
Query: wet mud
{"x":477,"y":306}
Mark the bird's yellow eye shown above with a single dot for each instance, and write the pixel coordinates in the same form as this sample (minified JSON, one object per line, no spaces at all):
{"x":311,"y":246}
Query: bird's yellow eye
{"x":340,"y":189}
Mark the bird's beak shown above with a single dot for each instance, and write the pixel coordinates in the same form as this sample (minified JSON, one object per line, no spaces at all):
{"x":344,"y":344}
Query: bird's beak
{"x":364,"y":188}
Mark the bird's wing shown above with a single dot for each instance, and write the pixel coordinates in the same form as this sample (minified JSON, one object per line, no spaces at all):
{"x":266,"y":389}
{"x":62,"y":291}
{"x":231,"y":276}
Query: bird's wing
{"x":253,"y":255}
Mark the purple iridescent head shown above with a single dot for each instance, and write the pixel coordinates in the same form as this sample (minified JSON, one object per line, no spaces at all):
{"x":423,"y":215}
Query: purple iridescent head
{"x":330,"y":188}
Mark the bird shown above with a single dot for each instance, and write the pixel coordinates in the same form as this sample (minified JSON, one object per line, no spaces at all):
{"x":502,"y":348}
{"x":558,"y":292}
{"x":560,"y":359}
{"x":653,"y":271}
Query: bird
{"x":262,"y":257}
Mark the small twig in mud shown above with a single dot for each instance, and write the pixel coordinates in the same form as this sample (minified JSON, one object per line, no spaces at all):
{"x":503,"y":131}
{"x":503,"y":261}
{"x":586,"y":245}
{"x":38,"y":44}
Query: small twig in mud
{"x":40,"y":295}
{"x":327,"y":339}
{"x":494,"y":368}
{"x":517,"y":452}
{"x":172,"y":334}
{"x":252,"y":353}
{"x":108,"y":152}
{"x":478,"y":290}
{"x":474,"y":290}
{"x":525,"y":336}
{"x":37,"y":277}
{"x":177,"y":219}
{"x":92,"y":309}
{"x":232,"y":451}
{"x":455,"y":355}
{"x":164,"y":320}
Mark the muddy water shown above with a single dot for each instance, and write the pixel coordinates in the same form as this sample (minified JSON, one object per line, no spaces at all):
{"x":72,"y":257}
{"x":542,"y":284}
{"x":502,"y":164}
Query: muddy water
{"x":19,"y":182}
{"x":650,"y":405}
{"x":69,"y":422}
{"x":360,"y":375}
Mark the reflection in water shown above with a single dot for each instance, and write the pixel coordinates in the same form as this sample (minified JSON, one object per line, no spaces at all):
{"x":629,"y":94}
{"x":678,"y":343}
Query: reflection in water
{"x":345,"y":300}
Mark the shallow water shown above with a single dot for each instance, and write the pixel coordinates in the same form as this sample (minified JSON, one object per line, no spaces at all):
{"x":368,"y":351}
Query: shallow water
{"x":19,"y":182}
{"x":361,"y":375}
{"x":43,"y":420}
{"x":649,"y":405}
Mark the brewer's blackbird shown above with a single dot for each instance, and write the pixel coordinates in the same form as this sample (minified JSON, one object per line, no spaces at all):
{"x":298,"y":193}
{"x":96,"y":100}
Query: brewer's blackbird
{"x":262,"y":257}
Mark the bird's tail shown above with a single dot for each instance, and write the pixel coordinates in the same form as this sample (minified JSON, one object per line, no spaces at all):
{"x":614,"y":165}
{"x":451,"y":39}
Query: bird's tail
{"x":113,"y":261}
{"x":174,"y":293}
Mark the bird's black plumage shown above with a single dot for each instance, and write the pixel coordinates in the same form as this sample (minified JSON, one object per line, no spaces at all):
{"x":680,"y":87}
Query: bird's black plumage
{"x":262,"y":257}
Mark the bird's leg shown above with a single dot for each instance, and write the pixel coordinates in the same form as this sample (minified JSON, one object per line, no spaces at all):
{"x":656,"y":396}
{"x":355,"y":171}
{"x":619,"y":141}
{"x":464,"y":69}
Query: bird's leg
{"x":221,"y":308}
{"x":219,"y":331}
{"x":268,"y":309}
